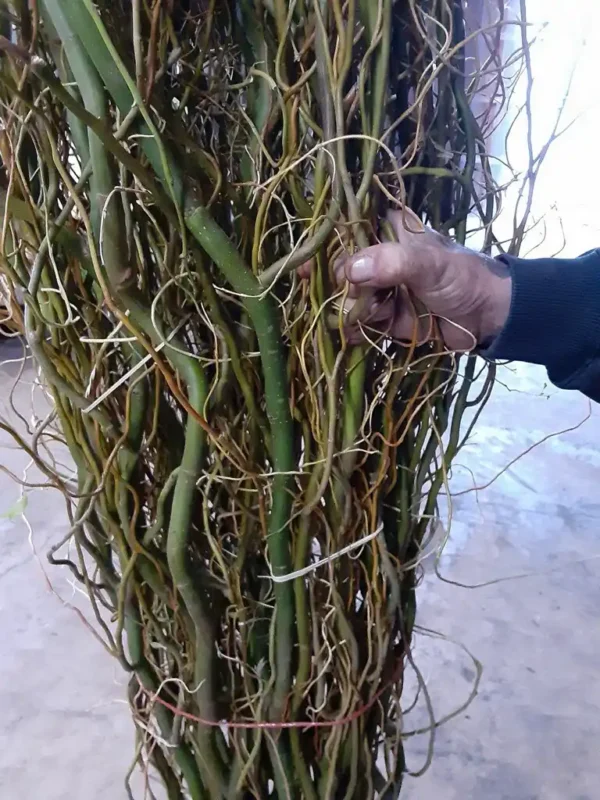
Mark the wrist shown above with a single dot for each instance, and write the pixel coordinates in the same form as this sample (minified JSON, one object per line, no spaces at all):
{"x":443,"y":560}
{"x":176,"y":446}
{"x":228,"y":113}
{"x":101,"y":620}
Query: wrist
{"x":496,"y":298}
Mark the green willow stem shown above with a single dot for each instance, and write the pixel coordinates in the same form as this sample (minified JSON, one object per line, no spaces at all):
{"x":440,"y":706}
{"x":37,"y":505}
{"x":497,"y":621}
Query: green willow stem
{"x":159,"y":522}
{"x":380,"y":90}
{"x":353,"y":407}
{"x":182,"y":753}
{"x":265,"y":320}
{"x":91,"y":94}
{"x":178,"y":540}
{"x":189,"y":471}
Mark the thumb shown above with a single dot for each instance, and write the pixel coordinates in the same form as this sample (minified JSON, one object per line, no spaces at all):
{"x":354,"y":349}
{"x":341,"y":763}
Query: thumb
{"x":411,"y":232}
{"x":383,"y":266}
{"x":406,"y":224}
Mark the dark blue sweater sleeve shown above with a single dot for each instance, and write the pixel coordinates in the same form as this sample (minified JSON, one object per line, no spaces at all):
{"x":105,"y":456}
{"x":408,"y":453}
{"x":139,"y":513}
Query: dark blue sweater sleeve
{"x":554,"y":319}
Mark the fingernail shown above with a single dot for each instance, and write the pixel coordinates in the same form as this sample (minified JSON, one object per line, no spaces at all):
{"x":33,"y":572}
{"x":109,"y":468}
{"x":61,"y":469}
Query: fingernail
{"x":361,"y":269}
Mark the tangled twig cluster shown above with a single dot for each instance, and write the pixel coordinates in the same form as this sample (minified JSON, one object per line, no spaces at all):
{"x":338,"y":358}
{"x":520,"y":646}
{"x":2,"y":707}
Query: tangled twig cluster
{"x":252,"y":493}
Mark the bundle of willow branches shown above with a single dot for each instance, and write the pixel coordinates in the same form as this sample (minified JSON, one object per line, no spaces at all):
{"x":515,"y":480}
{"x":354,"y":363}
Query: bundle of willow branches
{"x":252,"y":492}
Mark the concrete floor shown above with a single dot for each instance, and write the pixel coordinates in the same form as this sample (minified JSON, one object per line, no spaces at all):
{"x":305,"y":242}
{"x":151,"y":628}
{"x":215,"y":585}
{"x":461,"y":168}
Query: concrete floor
{"x":533,"y":730}
{"x":65,"y":727}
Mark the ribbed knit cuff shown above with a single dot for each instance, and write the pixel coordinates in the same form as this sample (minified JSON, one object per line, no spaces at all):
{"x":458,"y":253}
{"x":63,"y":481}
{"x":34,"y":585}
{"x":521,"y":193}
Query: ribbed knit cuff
{"x":554,"y":316}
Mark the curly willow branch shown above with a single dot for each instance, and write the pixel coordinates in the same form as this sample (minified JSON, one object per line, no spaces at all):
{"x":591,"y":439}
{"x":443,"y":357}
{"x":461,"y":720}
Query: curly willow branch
{"x":251,"y":495}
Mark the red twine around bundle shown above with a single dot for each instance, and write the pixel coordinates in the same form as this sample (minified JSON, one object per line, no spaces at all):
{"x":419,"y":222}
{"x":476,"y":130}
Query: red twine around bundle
{"x":306,"y":724}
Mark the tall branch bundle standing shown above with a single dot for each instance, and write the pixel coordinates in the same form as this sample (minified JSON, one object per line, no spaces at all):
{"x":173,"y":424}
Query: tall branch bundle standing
{"x":253,"y":491}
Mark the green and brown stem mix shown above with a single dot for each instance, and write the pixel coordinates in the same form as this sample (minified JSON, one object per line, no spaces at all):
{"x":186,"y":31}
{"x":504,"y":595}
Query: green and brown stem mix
{"x":166,"y":167}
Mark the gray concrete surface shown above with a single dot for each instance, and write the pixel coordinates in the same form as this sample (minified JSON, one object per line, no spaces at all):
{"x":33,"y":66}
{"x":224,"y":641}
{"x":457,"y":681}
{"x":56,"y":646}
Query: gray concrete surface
{"x":532,"y":733}
{"x":65,"y":731}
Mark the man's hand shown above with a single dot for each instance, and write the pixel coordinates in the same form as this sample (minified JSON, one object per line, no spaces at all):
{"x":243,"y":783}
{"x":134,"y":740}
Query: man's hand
{"x":467,"y":292}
